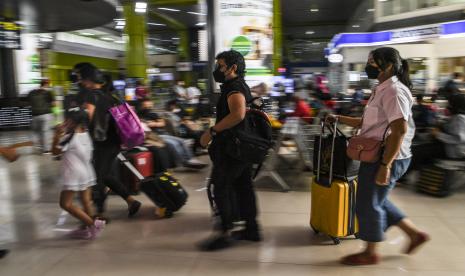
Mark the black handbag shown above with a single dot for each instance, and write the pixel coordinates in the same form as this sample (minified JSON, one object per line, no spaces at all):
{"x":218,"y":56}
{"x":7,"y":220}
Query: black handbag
{"x":332,"y":161}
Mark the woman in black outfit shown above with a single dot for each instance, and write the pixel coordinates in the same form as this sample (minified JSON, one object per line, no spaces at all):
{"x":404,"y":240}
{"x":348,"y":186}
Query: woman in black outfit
{"x":106,"y":140}
{"x":232,"y":179}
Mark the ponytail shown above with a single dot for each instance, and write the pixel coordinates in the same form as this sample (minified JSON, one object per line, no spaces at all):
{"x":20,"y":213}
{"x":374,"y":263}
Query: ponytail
{"x":403,"y":74}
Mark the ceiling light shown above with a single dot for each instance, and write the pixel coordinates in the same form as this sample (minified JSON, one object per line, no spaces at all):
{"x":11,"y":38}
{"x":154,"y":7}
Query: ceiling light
{"x":315,"y":43}
{"x":107,"y":38}
{"x":355,"y":26}
{"x":175,"y":38}
{"x":141,"y":5}
{"x":141,"y":10}
{"x":382,"y":0}
{"x":168,"y":9}
{"x":156,"y":24}
{"x":120,"y":41}
{"x":86,"y":34}
{"x":196,"y":13}
{"x":309,"y":32}
{"x":119,"y":27}
{"x":370,"y":10}
{"x":201,"y":24}
{"x":314,"y":10}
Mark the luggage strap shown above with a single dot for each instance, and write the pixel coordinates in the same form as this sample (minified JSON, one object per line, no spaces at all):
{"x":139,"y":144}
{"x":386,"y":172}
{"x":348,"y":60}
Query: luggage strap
{"x":131,"y":167}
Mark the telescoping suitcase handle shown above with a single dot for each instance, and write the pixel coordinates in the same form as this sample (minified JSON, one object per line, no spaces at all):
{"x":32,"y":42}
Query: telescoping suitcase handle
{"x":129,"y":165}
{"x":334,"y":132}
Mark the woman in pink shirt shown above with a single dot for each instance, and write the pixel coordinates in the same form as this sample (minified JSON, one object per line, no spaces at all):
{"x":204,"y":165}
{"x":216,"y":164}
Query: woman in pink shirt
{"x":389,"y":108}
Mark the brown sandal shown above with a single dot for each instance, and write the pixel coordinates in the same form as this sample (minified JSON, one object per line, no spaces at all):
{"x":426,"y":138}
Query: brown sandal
{"x":417,"y":243}
{"x":360,"y":259}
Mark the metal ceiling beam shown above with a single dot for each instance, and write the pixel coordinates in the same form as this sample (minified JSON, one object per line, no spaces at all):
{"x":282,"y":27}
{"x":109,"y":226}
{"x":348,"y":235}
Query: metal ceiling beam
{"x":316,"y":24}
{"x":161,"y":3}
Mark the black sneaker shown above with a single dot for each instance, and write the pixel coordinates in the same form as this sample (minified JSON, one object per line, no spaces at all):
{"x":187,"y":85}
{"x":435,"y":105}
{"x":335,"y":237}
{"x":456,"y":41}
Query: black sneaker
{"x":216,"y":242}
{"x":3,"y":253}
{"x":246,"y":235}
{"x":134,"y":208}
{"x":196,"y":165}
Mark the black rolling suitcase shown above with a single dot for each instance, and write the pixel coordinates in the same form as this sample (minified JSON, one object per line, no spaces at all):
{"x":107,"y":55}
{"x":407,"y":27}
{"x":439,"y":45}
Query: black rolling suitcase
{"x":439,"y":181}
{"x":163,"y":189}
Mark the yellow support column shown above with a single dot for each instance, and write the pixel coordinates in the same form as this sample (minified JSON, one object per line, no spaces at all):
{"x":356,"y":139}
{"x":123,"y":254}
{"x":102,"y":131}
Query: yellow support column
{"x":136,"y":31}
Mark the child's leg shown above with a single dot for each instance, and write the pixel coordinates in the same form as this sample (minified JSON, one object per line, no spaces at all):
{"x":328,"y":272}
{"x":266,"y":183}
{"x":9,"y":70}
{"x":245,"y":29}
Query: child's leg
{"x":86,"y":201}
{"x":66,"y":202}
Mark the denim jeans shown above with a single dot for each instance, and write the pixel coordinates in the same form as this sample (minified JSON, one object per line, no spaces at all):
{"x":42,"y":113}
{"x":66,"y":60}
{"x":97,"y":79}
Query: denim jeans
{"x":375,"y":212}
{"x":183,"y":152}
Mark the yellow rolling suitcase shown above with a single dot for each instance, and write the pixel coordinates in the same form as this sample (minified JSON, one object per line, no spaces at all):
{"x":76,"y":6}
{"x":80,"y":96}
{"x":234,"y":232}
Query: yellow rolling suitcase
{"x":333,"y":203}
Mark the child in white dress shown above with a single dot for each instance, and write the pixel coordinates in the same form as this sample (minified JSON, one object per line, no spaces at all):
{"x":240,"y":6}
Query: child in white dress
{"x":77,"y":174}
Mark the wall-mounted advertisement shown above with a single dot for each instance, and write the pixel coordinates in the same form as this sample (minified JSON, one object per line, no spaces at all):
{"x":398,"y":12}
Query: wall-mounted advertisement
{"x":246,"y":26}
{"x":28,"y":64}
{"x":10,"y":35}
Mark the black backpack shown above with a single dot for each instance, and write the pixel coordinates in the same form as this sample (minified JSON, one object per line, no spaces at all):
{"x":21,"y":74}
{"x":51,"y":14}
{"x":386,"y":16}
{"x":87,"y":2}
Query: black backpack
{"x":251,"y":139}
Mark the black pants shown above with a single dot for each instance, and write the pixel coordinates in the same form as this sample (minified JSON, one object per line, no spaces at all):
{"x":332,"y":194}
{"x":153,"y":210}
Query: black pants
{"x":232,"y":188}
{"x":104,"y":160}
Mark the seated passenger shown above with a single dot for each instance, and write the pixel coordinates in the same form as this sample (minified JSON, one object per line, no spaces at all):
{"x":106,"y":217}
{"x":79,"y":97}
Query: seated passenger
{"x":423,"y":115}
{"x":302,"y":109}
{"x":183,"y":126}
{"x":452,"y":134}
{"x":449,"y":140}
{"x":179,"y":146}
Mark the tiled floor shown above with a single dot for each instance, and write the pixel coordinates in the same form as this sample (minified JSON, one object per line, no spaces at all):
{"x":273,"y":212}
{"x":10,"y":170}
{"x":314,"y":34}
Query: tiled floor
{"x":31,"y":225}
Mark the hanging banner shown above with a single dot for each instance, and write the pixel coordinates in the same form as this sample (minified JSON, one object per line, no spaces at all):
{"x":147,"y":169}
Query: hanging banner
{"x":246,"y":26}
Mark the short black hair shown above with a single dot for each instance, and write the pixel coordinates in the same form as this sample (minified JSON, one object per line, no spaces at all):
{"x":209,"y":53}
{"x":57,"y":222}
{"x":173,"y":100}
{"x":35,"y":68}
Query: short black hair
{"x":457,"y":75}
{"x":81,"y":65}
{"x":91,"y":73}
{"x":419,"y":97}
{"x":232,"y":57}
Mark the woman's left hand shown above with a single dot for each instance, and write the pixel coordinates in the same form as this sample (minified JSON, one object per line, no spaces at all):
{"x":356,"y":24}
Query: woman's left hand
{"x":382,"y":177}
{"x":205,"y":139}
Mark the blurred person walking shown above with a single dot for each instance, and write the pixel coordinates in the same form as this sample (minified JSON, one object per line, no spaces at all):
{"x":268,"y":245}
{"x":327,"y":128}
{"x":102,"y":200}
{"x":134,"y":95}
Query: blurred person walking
{"x":10,"y":154}
{"x":389,"y":108}
{"x":107,"y":144}
{"x":72,"y":141}
{"x":42,"y":101}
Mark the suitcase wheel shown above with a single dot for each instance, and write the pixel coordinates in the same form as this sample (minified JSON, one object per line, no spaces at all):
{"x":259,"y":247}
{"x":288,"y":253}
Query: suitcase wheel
{"x":357,"y":236}
{"x":336,"y":240}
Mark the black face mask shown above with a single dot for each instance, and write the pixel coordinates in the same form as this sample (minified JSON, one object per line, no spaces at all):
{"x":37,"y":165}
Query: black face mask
{"x":219,"y":76}
{"x":372,"y":72}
